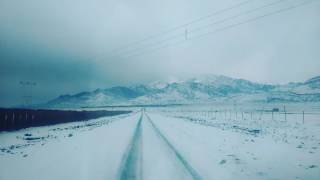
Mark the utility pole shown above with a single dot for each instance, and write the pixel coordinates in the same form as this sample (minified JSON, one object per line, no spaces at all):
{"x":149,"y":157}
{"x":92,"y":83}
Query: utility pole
{"x":186,"y":34}
{"x":27,"y":92}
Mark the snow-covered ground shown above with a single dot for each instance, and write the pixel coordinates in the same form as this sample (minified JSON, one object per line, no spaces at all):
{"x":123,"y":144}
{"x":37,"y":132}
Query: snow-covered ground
{"x":168,"y":143}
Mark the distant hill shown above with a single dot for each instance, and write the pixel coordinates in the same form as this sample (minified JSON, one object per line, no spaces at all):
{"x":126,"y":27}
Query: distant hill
{"x":200,"y":89}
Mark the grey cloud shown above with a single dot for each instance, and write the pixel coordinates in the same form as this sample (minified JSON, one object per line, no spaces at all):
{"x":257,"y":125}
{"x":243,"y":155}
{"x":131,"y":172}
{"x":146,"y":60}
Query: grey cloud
{"x":65,"y":45}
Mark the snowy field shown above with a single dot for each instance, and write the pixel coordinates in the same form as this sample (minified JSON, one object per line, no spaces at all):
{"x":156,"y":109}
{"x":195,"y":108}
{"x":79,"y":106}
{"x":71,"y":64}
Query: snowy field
{"x":184,"y":142}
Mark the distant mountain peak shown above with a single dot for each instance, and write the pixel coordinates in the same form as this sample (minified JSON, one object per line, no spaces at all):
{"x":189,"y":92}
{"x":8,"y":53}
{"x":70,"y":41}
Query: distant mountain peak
{"x":158,"y":84}
{"x":313,"y":80}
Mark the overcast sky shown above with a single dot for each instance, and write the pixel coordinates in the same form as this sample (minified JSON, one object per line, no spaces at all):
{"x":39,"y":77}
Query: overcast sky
{"x":68,"y":46}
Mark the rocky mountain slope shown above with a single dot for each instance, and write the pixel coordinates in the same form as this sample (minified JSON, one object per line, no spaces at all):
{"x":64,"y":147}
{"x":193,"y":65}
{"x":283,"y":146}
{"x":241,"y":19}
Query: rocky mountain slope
{"x":202,"y":89}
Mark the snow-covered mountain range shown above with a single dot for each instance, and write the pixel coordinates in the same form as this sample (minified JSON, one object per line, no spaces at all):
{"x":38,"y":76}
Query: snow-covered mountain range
{"x":202,"y":89}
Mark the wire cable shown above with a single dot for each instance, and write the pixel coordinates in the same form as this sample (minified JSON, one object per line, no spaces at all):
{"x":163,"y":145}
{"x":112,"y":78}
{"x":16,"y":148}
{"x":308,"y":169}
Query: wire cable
{"x":291,"y":7}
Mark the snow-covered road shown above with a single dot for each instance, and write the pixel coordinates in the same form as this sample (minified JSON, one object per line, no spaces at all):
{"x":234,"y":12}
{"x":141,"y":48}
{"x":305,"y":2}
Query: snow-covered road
{"x":150,"y":146}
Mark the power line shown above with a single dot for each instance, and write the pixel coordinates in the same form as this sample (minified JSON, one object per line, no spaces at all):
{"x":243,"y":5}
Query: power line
{"x":239,"y":15}
{"x":228,"y":27}
{"x":183,"y":25}
{"x":259,"y":17}
{"x":208,"y":25}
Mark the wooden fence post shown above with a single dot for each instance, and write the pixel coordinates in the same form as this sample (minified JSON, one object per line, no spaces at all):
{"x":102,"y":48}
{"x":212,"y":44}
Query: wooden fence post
{"x":285,"y":113}
{"x":5,"y":122}
{"x":236,"y":115}
{"x":13,"y":120}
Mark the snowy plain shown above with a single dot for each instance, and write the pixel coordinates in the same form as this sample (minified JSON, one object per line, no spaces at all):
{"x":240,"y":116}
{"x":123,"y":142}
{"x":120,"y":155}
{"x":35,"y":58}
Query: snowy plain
{"x":183,"y":142}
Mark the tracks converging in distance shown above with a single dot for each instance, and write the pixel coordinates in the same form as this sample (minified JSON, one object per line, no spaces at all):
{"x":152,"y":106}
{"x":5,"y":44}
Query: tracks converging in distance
{"x":131,"y":167}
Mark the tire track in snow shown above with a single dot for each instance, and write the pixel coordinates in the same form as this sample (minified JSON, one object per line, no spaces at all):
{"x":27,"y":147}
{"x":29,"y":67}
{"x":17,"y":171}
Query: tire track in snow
{"x":195,"y":175}
{"x":131,"y":165}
